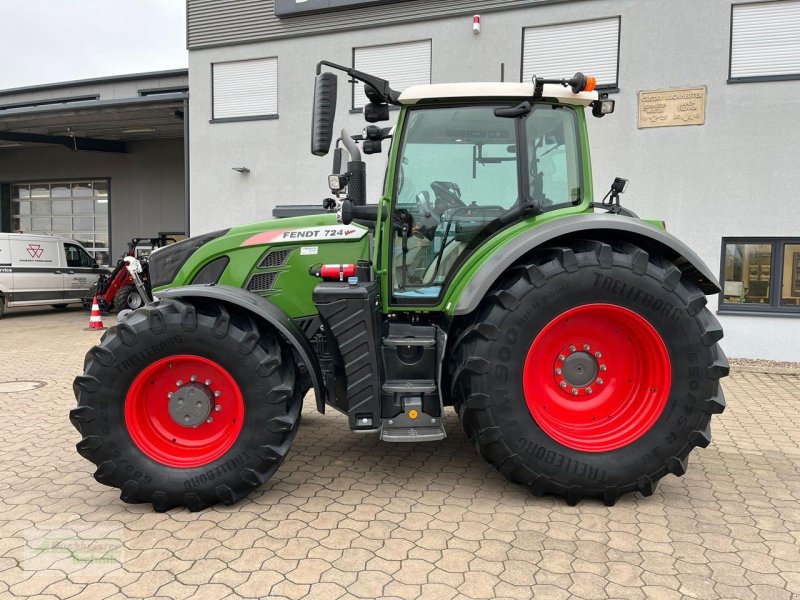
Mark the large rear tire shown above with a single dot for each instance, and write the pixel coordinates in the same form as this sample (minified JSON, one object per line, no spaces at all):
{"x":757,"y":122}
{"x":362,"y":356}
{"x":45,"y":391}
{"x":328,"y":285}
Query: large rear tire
{"x":590,"y":372}
{"x":187,"y":405}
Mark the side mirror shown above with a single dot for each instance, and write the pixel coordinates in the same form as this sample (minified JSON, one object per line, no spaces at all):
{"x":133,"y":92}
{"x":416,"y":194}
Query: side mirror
{"x":325,"y":87}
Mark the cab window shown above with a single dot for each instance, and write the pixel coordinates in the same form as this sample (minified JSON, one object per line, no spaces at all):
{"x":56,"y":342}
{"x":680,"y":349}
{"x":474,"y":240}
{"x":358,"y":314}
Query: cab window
{"x":78,"y":257}
{"x":457,"y":173}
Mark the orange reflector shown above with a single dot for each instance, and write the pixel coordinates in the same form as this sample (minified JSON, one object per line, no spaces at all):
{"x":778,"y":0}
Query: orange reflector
{"x":591,"y":83}
{"x":412,"y":414}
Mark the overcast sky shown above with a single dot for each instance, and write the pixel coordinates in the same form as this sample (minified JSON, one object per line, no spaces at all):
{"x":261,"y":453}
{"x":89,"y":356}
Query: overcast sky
{"x":45,"y":41}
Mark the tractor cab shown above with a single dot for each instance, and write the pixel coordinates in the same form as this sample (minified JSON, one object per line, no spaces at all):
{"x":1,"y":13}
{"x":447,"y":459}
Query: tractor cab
{"x":466,"y":161}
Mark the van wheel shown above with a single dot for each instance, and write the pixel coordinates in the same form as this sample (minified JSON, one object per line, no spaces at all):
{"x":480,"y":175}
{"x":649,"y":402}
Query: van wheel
{"x":2,"y":305}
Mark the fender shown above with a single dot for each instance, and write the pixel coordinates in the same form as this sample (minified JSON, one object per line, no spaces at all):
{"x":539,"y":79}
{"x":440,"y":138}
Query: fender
{"x":604,"y":227}
{"x":263,"y":309}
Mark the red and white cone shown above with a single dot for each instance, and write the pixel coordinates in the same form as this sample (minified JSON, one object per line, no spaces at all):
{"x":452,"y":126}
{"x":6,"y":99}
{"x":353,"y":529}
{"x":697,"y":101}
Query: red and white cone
{"x":95,"y":320}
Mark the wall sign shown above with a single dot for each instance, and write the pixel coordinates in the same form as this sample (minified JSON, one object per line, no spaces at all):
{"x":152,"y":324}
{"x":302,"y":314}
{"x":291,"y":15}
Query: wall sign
{"x":292,"y":8}
{"x":673,"y":107}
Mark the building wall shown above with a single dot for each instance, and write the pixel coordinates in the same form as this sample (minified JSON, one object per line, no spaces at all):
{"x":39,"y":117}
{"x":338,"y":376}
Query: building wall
{"x":734,"y":176}
{"x":147,"y":183}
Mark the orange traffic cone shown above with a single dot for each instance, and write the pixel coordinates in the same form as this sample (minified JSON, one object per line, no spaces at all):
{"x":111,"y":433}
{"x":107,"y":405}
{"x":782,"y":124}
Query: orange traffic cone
{"x":95,"y":320}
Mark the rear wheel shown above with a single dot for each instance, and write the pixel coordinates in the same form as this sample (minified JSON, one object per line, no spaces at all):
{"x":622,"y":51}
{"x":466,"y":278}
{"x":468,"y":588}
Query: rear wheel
{"x":590,"y":372}
{"x":187,"y":405}
{"x":128,"y":298}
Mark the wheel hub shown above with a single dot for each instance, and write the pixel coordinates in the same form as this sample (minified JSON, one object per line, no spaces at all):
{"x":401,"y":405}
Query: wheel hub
{"x":579,"y":369}
{"x":191,"y":405}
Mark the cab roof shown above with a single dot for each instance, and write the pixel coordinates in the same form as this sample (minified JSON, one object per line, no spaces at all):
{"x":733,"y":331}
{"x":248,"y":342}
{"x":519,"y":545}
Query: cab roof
{"x":487,"y":89}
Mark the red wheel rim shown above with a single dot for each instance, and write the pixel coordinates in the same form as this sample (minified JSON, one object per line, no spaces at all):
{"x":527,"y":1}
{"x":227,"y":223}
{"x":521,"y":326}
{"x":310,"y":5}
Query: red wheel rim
{"x":152,"y":414}
{"x":597,"y":377}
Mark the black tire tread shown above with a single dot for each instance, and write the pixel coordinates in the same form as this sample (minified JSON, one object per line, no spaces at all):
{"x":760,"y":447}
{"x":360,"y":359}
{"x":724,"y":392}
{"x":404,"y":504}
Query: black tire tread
{"x":474,"y":410}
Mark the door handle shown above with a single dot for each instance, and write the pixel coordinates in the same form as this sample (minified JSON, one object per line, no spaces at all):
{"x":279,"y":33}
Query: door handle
{"x":70,"y":272}
{"x":58,"y":272}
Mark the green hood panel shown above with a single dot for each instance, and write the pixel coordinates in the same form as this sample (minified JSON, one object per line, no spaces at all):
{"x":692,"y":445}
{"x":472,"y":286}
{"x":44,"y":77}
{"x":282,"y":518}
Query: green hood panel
{"x":294,"y":245}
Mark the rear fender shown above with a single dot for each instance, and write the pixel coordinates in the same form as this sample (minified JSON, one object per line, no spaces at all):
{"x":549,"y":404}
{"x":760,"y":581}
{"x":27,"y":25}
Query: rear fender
{"x":602,"y":227}
{"x":266,"y":311}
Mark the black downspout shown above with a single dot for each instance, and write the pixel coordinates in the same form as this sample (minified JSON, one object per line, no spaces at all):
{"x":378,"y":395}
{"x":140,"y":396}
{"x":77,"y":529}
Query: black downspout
{"x":186,"y":206}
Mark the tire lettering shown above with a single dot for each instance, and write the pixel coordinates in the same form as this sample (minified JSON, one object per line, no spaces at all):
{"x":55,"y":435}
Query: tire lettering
{"x":140,"y":359}
{"x":212,"y":474}
{"x":638,"y":296}
{"x":561,"y":461}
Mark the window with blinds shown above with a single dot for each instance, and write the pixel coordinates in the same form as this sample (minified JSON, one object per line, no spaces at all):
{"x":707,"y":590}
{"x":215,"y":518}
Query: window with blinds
{"x":765,"y":41}
{"x":245,"y":89}
{"x":563,"y":49}
{"x":403,"y":65}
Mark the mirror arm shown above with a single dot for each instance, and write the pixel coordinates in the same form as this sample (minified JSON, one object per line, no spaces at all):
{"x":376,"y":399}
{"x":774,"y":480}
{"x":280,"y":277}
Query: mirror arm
{"x":381,"y":86}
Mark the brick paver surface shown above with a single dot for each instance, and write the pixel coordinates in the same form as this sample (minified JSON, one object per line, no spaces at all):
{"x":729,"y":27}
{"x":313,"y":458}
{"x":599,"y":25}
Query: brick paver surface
{"x":347,"y":516}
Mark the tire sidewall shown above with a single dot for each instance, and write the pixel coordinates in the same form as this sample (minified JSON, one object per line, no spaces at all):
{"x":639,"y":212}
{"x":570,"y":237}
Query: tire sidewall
{"x":118,"y":375}
{"x":644,"y":294}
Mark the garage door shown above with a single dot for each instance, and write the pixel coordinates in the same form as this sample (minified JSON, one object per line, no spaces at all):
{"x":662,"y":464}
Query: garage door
{"x":74,"y":209}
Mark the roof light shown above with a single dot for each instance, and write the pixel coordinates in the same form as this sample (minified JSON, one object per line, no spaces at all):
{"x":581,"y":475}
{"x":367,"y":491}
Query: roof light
{"x":591,"y":84}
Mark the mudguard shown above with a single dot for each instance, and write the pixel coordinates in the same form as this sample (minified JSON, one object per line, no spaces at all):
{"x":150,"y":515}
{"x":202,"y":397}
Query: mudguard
{"x":604,"y":227}
{"x":266,"y":310}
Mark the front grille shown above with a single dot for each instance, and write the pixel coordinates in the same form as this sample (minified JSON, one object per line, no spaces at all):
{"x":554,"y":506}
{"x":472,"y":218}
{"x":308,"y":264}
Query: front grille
{"x":261,"y":282}
{"x":276,"y":258}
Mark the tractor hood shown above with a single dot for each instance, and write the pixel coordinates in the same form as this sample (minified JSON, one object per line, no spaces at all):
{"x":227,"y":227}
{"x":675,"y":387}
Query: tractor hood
{"x":272,"y":258}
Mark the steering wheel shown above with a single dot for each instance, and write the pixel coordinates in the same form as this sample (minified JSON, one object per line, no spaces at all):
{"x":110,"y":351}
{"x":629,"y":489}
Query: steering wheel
{"x":448,"y":195}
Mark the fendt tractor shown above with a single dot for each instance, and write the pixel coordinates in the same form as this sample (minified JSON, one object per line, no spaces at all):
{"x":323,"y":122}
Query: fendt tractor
{"x":571,"y":337}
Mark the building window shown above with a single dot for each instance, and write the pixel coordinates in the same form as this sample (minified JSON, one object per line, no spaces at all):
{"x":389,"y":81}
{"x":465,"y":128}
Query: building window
{"x":72,"y":209}
{"x":402,"y":65}
{"x":765,"y":41}
{"x":562,"y":50}
{"x":761,"y":274}
{"x":244,"y":90}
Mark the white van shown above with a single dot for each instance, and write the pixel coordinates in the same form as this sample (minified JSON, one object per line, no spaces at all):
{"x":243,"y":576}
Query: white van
{"x":42,"y":269}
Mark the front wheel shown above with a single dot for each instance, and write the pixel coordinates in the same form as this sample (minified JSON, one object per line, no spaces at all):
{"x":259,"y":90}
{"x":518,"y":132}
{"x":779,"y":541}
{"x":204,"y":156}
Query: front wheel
{"x":187,"y":405}
{"x":590,"y":371}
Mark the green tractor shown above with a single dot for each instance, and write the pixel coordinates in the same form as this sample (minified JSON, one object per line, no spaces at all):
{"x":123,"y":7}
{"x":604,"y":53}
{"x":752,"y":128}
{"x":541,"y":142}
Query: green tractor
{"x":571,"y":337}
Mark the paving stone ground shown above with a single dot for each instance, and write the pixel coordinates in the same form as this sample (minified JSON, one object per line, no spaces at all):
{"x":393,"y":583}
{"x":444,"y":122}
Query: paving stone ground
{"x":349,"y":517}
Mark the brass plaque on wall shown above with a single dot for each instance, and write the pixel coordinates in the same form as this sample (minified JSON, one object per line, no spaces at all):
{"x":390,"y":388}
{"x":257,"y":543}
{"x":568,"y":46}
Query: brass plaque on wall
{"x":673,"y":107}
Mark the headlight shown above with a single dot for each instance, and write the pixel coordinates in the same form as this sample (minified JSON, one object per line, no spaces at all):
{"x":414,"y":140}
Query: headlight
{"x":165,"y":264}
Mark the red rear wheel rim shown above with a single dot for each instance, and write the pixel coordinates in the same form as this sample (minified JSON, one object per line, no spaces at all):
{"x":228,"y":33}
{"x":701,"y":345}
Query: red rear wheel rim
{"x":597,"y":377}
{"x":159,"y":431}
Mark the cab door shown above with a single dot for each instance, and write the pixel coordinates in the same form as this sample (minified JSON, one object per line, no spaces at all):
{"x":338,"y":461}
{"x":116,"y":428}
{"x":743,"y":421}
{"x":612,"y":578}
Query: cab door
{"x":80,"y":273}
{"x":36,"y":265}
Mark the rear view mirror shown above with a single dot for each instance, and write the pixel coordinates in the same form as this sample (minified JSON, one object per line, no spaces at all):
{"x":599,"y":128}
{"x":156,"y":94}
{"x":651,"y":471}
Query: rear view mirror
{"x":325,"y":87}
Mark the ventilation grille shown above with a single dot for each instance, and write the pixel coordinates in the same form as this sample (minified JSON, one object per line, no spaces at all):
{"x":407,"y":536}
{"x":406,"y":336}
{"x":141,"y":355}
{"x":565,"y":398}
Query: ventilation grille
{"x":276,"y":258}
{"x":261,"y":282}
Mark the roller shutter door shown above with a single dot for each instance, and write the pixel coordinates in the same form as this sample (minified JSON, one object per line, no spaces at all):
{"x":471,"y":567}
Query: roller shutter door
{"x":562,"y":50}
{"x":246,"y":88}
{"x":765,"y":40}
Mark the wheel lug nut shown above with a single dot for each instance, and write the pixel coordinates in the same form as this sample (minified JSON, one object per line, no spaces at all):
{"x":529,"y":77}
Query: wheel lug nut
{"x":563,"y":384}
{"x":208,"y":382}
{"x":217,"y":408}
{"x":561,"y":357}
{"x":574,"y":392}
{"x":603,"y":367}
{"x":599,"y":382}
{"x":558,"y":371}
{"x":179,"y":383}
{"x":169,"y":394}
{"x":586,"y":347}
{"x":217,"y":394}
{"x":209,"y":420}
{"x":598,"y":355}
{"x":194,"y":377}
{"x":588,"y":390}
{"x":572,"y":348}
